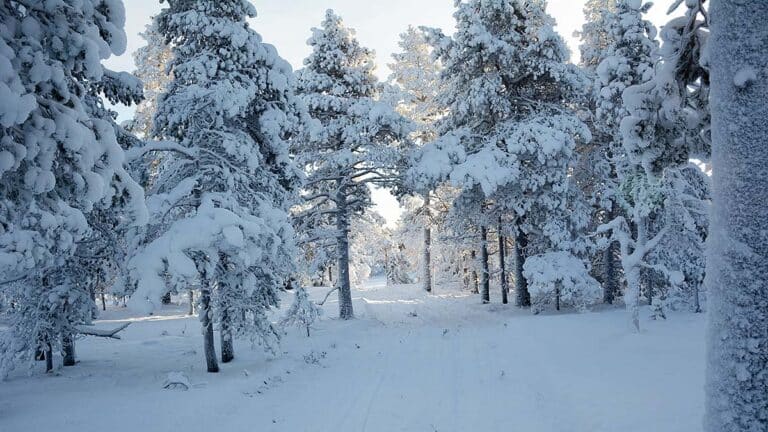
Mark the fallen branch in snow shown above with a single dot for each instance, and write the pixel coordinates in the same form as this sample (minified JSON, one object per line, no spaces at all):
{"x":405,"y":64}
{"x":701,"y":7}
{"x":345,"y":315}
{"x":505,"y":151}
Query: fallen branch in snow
{"x":93,"y":331}
{"x":327,"y":295}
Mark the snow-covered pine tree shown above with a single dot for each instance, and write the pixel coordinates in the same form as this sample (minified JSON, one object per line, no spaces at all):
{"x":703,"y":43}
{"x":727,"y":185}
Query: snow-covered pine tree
{"x":356,"y":145}
{"x":59,"y":161}
{"x":99,"y":258}
{"x":594,"y":35}
{"x":670,"y":121}
{"x":685,"y":210}
{"x":629,"y":65}
{"x":230,"y":107}
{"x":595,"y":172}
{"x":303,"y":311}
{"x":509,"y":137}
{"x":417,"y":77}
{"x":152,"y":67}
{"x":737,"y":287}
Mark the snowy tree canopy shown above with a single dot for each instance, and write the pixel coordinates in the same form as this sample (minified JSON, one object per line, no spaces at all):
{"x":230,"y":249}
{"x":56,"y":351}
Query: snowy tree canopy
{"x":57,"y":161}
{"x":222,"y":201}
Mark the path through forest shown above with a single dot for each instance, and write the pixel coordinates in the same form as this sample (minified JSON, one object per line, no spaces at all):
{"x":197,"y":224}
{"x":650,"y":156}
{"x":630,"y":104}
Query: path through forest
{"x":410,"y":362}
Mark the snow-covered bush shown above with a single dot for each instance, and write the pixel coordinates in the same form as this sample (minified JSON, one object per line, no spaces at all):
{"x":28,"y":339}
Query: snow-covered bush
{"x":561,"y":278}
{"x":303,"y":311}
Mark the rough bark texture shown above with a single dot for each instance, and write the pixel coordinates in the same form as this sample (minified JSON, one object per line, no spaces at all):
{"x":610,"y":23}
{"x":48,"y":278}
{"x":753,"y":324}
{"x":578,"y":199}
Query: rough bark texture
{"x":522,"y":296}
{"x":68,"y":346}
{"x":737,"y":267}
{"x":485,"y":277}
{"x":427,"y":246}
{"x":503,"y":268}
{"x":342,"y":225}
{"x":205,"y":321}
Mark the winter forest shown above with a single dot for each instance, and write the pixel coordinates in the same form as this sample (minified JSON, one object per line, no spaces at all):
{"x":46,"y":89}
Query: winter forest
{"x":581,"y":239}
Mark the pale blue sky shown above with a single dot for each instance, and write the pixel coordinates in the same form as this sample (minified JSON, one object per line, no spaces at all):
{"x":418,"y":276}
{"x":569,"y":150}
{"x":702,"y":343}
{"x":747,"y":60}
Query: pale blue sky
{"x":287,"y":23}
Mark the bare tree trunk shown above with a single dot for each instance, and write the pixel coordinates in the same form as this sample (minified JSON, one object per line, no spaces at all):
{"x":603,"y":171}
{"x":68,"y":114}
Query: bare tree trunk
{"x":475,"y":276}
{"x":205,"y":319}
{"x":68,"y":346}
{"x":427,"y":246}
{"x":485,"y":278}
{"x":737,"y":286}
{"x":48,"y":349}
{"x":503,"y":267}
{"x":103,"y":300}
{"x":522,"y":296}
{"x":342,"y":225}
{"x":191,"y":310}
{"x":610,"y":282}
{"x":227,"y":343}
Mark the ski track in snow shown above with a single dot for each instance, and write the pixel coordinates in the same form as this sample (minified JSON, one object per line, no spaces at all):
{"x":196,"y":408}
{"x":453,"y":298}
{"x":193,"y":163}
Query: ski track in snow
{"x":409,"y":362}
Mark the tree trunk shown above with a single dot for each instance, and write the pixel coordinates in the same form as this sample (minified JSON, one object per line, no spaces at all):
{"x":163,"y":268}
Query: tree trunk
{"x":103,"y":300}
{"x":427,"y":247}
{"x":475,"y":278}
{"x":522,"y":296}
{"x":330,"y":274}
{"x":610,"y":282}
{"x":48,"y":349}
{"x":68,"y":346}
{"x":342,"y":226}
{"x":227,"y":343}
{"x":205,"y":319}
{"x":503,"y":267}
{"x":696,"y":299}
{"x":485,"y":277}
{"x":191,"y":310}
{"x":737,"y":286}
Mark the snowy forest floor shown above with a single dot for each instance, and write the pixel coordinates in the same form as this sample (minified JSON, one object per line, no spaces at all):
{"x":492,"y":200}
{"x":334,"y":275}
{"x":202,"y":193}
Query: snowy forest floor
{"x":409,"y":362}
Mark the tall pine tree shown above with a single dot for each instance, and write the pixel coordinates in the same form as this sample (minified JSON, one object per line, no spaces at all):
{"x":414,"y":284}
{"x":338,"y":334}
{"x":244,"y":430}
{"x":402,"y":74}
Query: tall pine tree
{"x":356,"y":143}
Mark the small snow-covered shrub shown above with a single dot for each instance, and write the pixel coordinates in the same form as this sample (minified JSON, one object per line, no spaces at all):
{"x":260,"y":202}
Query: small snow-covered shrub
{"x":561,"y":278}
{"x":303,"y":312}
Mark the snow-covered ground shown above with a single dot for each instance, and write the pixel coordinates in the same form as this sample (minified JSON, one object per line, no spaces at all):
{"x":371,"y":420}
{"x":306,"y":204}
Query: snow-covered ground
{"x":410,"y":362}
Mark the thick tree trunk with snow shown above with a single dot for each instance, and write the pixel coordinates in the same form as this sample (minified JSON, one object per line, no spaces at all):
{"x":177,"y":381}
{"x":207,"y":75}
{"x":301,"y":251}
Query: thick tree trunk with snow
{"x":227,"y":343}
{"x":68,"y":346}
{"x":342,"y":245}
{"x":503,"y":268}
{"x":522,"y":296}
{"x":485,"y":277}
{"x":427,"y":246}
{"x":205,"y":320}
{"x":737,"y":267}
